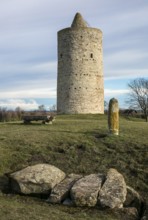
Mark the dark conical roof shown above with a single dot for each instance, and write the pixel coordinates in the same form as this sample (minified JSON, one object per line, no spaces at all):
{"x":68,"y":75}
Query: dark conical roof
{"x":78,"y":21}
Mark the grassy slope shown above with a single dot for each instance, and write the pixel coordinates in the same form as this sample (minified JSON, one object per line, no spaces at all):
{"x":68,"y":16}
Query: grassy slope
{"x":77,"y":144}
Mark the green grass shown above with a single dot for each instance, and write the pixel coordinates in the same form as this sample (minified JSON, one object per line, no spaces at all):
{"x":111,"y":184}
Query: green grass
{"x":73,"y":143}
{"x":30,"y":208}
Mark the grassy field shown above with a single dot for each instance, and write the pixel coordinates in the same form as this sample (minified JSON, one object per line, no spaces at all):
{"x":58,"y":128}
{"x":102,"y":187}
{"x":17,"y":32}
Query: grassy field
{"x":76,"y":143}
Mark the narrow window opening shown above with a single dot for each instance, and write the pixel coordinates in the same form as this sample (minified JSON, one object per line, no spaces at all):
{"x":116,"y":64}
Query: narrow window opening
{"x":91,"y":55}
{"x":61,"y":55}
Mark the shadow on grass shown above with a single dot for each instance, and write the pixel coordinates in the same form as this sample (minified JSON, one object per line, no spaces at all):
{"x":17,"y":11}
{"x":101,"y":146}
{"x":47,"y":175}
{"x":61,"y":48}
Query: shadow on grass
{"x":95,"y":133}
{"x":21,"y":123}
{"x":100,"y":136}
{"x":4,"y":184}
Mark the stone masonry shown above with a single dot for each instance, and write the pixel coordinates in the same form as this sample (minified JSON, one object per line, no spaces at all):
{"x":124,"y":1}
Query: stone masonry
{"x":80,"y":86}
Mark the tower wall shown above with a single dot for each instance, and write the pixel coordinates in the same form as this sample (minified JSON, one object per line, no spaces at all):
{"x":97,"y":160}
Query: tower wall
{"x":80,"y":86}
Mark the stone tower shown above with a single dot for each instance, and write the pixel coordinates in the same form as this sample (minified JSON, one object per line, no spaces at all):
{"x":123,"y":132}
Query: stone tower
{"x":80,"y":86}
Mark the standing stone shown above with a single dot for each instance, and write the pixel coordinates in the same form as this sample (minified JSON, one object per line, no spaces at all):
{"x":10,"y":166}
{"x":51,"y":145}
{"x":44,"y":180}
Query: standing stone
{"x":113,"y":117}
{"x":61,"y":190}
{"x":113,"y":192}
{"x":85,"y":191}
{"x":36,"y":179}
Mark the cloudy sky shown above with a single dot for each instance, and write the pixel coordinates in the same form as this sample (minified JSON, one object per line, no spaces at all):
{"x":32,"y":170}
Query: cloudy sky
{"x":28,"y":46}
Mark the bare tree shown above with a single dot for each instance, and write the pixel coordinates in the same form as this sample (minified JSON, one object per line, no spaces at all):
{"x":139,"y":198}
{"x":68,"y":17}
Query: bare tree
{"x":53,"y":108}
{"x":138,"y":95}
{"x":19,"y":112}
{"x":41,"y":110}
{"x":106,"y":107}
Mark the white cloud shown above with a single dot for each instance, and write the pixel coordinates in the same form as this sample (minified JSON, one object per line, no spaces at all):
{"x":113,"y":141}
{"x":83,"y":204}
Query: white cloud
{"x":45,"y":67}
{"x":126,"y":57}
{"x":29,"y":70}
{"x":29,"y":93}
{"x":28,"y":46}
{"x":125,"y":73}
{"x":14,"y":103}
{"x":124,"y":21}
{"x":126,"y":64}
{"x":117,"y":92}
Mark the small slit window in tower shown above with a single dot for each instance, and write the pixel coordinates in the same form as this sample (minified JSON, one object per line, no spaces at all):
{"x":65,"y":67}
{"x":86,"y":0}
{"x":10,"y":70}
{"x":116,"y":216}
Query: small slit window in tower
{"x":91,"y":55}
{"x":61,"y":55}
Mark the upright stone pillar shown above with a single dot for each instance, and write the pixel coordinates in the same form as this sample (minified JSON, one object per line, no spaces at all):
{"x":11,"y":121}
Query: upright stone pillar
{"x":113,"y":117}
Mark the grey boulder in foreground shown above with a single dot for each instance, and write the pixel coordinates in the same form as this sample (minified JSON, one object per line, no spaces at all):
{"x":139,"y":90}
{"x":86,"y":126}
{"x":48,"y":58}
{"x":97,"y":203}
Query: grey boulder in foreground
{"x":36,"y":179}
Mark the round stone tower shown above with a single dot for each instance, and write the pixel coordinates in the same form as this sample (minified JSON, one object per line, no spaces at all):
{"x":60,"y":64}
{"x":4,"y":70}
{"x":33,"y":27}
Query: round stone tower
{"x":80,"y":86}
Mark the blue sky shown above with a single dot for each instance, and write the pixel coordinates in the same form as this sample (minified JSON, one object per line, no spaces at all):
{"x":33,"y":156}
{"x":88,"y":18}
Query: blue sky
{"x":28,"y":46}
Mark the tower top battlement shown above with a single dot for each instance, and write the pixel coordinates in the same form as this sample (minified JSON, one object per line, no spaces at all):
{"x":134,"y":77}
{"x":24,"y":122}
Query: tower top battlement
{"x":78,"y":21}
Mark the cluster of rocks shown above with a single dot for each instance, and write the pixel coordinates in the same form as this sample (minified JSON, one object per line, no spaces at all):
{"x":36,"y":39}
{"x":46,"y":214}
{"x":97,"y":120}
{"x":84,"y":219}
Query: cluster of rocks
{"x":100,"y":190}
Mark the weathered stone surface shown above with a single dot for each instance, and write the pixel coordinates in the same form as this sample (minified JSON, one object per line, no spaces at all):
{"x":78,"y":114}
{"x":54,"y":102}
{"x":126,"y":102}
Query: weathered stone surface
{"x":133,"y":199}
{"x":85,"y":191}
{"x":61,"y":191}
{"x":38,"y":179}
{"x":113,"y":117}
{"x":79,"y":21}
{"x":80,"y":84}
{"x":113,"y":192}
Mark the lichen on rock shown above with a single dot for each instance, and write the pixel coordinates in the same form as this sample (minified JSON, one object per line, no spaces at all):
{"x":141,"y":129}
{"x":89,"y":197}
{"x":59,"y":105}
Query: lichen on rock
{"x":36,"y":179}
{"x":113,"y":192}
{"x":85,"y":191}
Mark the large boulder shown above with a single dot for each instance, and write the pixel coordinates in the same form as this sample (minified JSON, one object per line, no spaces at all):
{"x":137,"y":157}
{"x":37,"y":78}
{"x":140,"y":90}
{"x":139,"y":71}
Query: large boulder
{"x":61,"y":191}
{"x":85,"y":191}
{"x":36,"y":179}
{"x":133,"y":199}
{"x":113,"y":192}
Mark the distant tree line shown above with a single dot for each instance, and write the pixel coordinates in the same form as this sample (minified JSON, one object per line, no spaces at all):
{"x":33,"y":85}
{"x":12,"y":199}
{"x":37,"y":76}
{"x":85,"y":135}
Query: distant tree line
{"x":7,"y":115}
